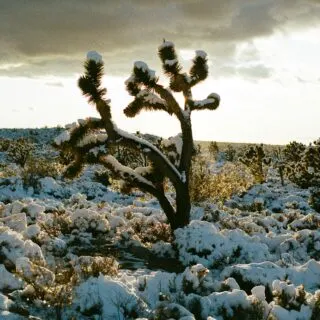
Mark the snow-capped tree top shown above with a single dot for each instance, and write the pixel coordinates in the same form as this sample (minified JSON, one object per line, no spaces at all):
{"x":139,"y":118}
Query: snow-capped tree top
{"x":144,"y":67}
{"x":201,"y":53}
{"x":166,"y":44}
{"x":141,"y":65}
{"x":95,"y":56}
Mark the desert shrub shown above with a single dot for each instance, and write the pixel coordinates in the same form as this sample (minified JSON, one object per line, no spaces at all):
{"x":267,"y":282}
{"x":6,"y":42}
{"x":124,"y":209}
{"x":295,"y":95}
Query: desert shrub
{"x":35,"y":169}
{"x":305,"y":172}
{"x":102,"y":176}
{"x":4,"y":144}
{"x":314,"y":199}
{"x":231,"y":179}
{"x":316,"y":308}
{"x":167,"y":311}
{"x":87,"y":266}
{"x":20,"y":151}
{"x":255,"y":159}
{"x":254,"y":312}
{"x":200,"y":177}
{"x":54,"y":287}
{"x":7,"y":171}
{"x":152,"y":232}
{"x":50,"y":288}
{"x":292,"y":152}
{"x":59,"y":224}
{"x":288,"y":296}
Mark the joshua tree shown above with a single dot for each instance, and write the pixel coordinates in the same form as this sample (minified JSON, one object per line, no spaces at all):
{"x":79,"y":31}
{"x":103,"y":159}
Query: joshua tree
{"x":92,"y":139}
{"x":293,"y":151}
{"x":305,"y":172}
{"x":255,"y":158}
{"x":213,"y":149}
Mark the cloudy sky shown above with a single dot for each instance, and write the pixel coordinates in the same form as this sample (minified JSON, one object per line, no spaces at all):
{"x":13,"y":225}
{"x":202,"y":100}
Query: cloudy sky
{"x":263,"y":58}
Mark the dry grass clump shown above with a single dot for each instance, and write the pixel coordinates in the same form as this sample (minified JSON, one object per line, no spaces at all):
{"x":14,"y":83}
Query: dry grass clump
{"x":152,"y":232}
{"x":232,"y":178}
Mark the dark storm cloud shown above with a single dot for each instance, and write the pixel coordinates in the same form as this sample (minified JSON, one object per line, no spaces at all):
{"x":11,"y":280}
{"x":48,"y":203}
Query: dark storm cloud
{"x":52,"y":37}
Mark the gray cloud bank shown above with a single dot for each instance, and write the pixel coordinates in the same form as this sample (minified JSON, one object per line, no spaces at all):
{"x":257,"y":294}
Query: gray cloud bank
{"x":52,"y":37}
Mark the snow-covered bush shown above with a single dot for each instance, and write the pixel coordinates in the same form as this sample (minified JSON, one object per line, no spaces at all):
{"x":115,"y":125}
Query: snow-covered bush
{"x":86,"y":220}
{"x":201,"y":242}
{"x":107,"y":298}
{"x":37,"y":168}
{"x":45,"y":287}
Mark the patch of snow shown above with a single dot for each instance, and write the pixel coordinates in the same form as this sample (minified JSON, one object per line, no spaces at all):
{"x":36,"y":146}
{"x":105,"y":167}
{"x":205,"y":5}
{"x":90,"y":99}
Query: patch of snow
{"x":165,"y":44}
{"x":63,"y":137}
{"x":95,"y":56}
{"x":202,"y":54}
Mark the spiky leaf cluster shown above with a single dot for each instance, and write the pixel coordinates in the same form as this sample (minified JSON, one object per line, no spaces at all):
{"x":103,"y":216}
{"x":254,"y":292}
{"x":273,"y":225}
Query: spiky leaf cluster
{"x":199,"y":69}
{"x":80,"y":139}
{"x":90,"y":82}
{"x":169,"y":58}
{"x":255,"y":159}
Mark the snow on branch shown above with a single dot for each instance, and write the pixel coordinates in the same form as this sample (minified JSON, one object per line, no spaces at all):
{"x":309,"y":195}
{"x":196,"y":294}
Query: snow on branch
{"x":124,"y":172}
{"x":142,"y":74}
{"x":150,"y":149}
{"x":211,"y":103}
{"x":95,"y":56}
{"x":92,"y":139}
{"x":166,"y":44}
{"x":145,"y":100}
{"x":62,"y":137}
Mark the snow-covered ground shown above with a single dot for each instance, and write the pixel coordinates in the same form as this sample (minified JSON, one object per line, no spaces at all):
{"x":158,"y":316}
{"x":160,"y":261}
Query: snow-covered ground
{"x":80,"y":250}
